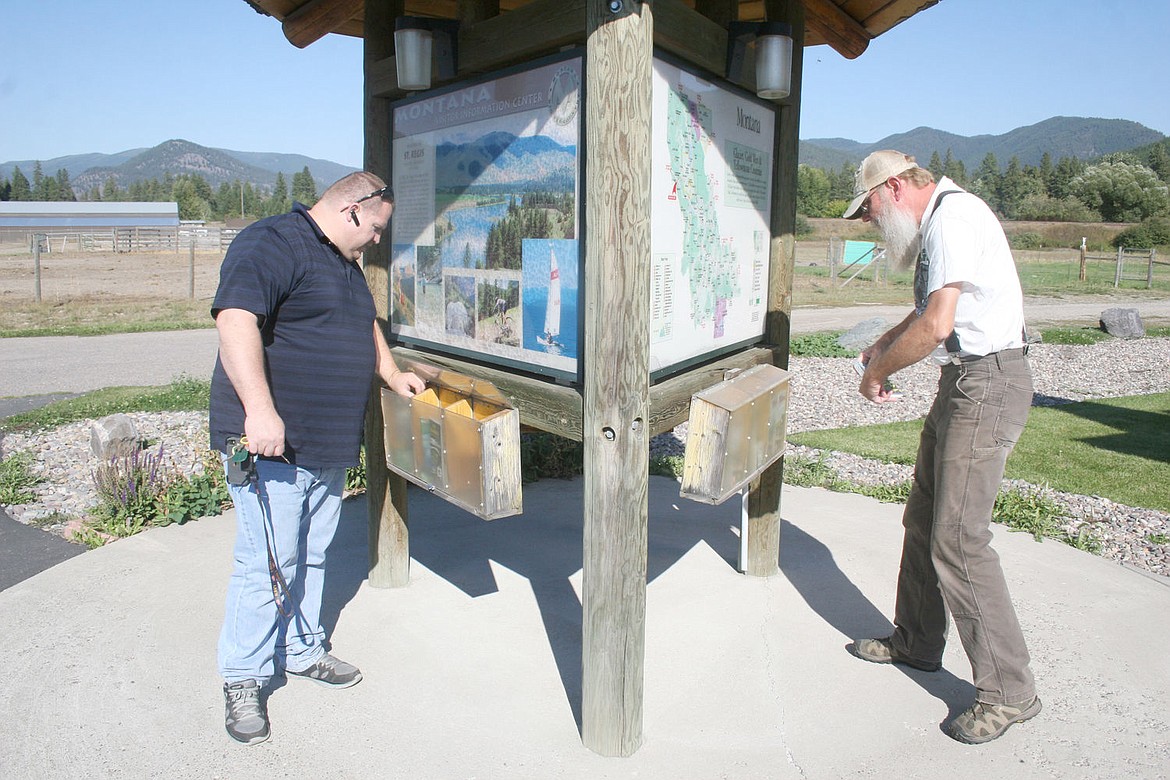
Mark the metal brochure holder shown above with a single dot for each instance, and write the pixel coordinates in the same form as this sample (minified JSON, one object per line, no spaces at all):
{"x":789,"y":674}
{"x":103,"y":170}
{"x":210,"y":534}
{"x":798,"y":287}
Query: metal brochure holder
{"x":459,"y":439}
{"x":736,"y":430}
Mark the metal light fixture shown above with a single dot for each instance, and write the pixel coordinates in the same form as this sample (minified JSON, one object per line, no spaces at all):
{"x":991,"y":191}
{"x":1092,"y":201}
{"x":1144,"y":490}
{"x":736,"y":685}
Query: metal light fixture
{"x":773,"y":48}
{"x":415,"y":39}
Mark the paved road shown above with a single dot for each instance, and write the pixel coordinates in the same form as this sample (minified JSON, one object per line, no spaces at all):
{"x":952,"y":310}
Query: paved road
{"x":76,"y":364}
{"x":1039,"y":311}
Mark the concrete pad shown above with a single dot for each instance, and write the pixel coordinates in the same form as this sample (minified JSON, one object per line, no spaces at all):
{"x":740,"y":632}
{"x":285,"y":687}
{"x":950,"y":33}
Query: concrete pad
{"x":474,"y":670}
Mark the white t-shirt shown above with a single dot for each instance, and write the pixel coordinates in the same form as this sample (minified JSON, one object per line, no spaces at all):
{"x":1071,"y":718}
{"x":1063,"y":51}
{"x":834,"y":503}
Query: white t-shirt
{"x":965,"y":244}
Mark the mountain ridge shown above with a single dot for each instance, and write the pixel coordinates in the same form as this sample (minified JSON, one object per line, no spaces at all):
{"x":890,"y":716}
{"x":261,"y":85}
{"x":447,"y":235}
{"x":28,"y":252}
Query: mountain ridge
{"x":177,"y":157}
{"x":1081,"y":137}
{"x":1085,"y":138}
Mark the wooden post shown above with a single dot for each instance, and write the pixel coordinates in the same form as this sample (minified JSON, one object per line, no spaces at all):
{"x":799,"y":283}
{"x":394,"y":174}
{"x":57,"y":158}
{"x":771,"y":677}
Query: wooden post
{"x":389,"y":534}
{"x":1084,"y":258}
{"x":1150,"y":270}
{"x":617,"y":375}
{"x":1117,"y":271}
{"x":190,"y":269}
{"x":36,"y":242}
{"x":762,"y":521}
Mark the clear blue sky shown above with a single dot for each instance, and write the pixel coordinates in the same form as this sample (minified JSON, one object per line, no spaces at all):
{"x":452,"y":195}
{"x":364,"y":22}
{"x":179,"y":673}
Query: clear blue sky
{"x":79,"y":77}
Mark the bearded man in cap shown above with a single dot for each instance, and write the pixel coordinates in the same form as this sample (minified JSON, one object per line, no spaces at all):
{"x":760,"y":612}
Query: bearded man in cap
{"x":969,"y":317}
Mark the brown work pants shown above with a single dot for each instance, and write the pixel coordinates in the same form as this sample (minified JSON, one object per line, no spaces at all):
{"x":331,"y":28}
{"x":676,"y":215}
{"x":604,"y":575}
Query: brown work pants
{"x":947,"y":559}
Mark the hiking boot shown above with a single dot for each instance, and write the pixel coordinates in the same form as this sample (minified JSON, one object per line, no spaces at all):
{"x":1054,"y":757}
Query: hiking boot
{"x":245,"y":720}
{"x":985,"y":722}
{"x":881,"y":651}
{"x":330,"y":672}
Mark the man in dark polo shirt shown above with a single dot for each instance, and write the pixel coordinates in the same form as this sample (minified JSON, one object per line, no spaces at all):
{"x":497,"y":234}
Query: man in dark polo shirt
{"x":298,"y":349}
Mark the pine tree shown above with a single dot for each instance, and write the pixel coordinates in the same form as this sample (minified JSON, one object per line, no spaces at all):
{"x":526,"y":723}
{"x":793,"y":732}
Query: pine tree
{"x":20,"y":186}
{"x":955,"y":170}
{"x":110,"y":191}
{"x":1015,"y":185}
{"x":304,"y":189}
{"x":1067,"y":169}
{"x":39,"y":191}
{"x":986,"y":183}
{"x":1047,"y":171}
{"x":278,"y":202}
{"x":64,"y":187}
{"x":936,"y":164}
{"x":1159,"y":162}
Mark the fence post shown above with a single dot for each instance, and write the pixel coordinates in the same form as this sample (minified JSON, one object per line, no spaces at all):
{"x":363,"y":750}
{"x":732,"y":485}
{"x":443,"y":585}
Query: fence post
{"x":833,"y":240}
{"x":37,"y":266}
{"x":1084,"y":258}
{"x":1117,"y":273}
{"x":191,"y":271}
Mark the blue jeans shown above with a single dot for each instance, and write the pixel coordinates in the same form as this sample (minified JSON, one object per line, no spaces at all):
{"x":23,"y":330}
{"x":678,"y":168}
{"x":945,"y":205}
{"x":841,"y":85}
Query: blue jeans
{"x":304,"y":506}
{"x":947,"y":559}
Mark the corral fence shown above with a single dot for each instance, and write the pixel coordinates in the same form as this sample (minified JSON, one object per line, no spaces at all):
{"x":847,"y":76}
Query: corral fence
{"x":125,"y":239}
{"x":156,"y":240}
{"x":1128,"y":265}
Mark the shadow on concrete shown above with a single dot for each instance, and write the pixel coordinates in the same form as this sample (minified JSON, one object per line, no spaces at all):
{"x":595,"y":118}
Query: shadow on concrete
{"x":544,"y":545}
{"x":25,"y":551}
{"x":809,"y":566}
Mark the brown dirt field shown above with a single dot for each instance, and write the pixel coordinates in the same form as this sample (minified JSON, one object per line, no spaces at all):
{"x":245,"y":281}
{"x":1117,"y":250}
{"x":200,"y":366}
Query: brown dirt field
{"x":67,"y":276}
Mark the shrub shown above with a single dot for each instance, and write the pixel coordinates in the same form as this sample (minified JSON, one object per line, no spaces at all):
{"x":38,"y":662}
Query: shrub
{"x":136,"y":492}
{"x":803,"y":226}
{"x":1026,"y":241}
{"x":201,"y":495}
{"x":127,"y":489}
{"x":1042,"y":208}
{"x":1154,"y":232}
{"x":1030,"y":512}
{"x":548,"y":455}
{"x":355,"y":476}
{"x":818,"y":345}
{"x":836,"y":208}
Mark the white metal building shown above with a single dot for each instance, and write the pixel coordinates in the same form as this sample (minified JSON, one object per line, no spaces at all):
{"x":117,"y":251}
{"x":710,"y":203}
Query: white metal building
{"x":85,"y":222}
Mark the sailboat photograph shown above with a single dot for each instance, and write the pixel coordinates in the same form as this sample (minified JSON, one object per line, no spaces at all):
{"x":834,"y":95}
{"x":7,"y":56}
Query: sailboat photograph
{"x":552,"y":312}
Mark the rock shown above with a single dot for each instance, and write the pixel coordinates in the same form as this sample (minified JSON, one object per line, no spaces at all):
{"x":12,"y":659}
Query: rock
{"x":1123,"y":323}
{"x":863,"y":334}
{"x":112,"y":437}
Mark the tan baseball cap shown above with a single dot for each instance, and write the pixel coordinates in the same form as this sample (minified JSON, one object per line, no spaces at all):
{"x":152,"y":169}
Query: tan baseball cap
{"x":875,"y":170}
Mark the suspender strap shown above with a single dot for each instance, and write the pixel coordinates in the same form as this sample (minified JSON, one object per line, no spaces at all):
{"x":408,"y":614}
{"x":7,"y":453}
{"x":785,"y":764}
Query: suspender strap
{"x":952,"y":342}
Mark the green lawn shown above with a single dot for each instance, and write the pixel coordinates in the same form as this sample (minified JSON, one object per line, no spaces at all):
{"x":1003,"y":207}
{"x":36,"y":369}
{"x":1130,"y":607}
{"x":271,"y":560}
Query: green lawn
{"x":1116,"y":448}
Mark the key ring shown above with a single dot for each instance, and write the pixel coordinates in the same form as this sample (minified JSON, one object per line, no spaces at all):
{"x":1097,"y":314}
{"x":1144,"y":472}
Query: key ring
{"x":240,"y":450}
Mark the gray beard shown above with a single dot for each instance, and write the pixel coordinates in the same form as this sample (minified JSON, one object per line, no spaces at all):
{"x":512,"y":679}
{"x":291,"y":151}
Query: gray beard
{"x":900,"y":232}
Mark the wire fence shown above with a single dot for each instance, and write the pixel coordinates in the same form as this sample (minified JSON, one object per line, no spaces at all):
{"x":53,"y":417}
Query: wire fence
{"x":68,"y":267}
{"x":119,"y":239}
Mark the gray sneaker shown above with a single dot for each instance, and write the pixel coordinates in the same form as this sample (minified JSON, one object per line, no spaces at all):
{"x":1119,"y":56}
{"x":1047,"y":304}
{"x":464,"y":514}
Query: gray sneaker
{"x":985,"y":722}
{"x":330,"y":672}
{"x":881,"y":651}
{"x":246,"y":721}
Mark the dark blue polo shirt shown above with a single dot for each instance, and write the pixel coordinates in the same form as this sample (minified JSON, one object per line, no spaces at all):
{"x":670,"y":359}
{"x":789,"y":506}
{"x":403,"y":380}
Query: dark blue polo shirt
{"x":317,"y":325}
